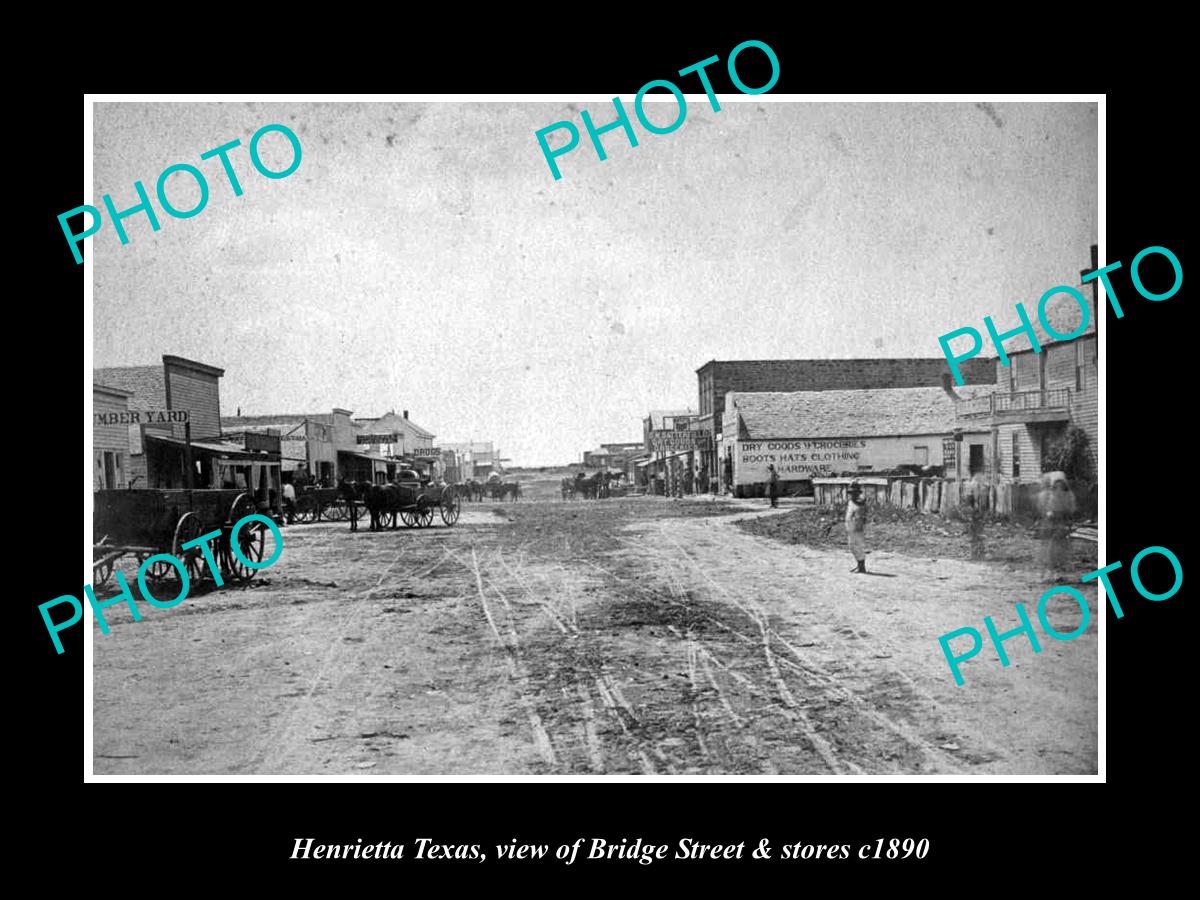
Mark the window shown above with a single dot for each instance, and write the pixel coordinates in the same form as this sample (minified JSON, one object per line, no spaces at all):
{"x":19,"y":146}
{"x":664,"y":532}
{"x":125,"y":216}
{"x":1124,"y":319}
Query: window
{"x":1016,"y":455}
{"x":921,"y":456}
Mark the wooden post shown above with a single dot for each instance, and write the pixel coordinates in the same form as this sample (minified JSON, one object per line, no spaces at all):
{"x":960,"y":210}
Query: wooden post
{"x":1095,"y":286}
{"x":187,"y":455}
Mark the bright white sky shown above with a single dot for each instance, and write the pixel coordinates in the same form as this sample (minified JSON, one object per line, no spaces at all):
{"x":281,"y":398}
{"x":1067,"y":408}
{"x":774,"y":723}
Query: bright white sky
{"x":422,"y":257}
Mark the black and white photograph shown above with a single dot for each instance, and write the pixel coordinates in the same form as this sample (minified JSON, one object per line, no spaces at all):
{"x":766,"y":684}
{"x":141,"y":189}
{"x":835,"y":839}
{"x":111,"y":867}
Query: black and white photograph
{"x":467,"y":437}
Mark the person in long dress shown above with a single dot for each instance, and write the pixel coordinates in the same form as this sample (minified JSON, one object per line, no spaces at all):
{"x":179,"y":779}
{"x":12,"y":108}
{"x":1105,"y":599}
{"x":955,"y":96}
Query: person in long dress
{"x":856,"y":525}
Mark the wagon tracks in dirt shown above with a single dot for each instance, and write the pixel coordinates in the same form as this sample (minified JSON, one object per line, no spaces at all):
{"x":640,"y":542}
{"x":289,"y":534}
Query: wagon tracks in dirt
{"x":278,"y":747}
{"x":776,"y":692}
{"x":586,"y":676}
{"x":816,"y":675}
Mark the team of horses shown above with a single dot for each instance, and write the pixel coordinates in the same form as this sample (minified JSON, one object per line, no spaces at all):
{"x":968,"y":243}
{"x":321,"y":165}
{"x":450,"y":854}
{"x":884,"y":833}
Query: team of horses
{"x":597,"y":486}
{"x":475,"y":490}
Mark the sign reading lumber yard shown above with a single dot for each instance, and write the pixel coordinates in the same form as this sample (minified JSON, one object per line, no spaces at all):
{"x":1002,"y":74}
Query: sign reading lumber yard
{"x":798,"y":459}
{"x":142,"y":417}
{"x":663,"y":441}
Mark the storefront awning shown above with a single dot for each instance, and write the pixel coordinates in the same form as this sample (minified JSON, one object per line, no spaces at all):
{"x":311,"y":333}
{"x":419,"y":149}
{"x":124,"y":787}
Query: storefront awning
{"x":220,"y":449}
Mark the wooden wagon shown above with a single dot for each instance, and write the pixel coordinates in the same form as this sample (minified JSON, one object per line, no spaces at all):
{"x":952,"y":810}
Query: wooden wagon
{"x":147,"y":522}
{"x":314,"y":504}
{"x":414,"y":503}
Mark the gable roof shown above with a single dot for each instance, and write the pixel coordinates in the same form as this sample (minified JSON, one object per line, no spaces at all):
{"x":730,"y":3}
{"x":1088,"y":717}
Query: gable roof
{"x":844,"y":414}
{"x":1062,"y":312}
{"x":146,"y":384}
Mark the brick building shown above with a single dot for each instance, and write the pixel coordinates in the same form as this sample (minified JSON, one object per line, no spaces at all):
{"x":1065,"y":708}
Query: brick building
{"x":718,"y":377}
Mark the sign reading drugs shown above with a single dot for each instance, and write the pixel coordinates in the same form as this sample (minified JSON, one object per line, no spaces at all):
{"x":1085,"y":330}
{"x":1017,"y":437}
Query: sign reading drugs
{"x":426,"y":453}
{"x":662,"y":441}
{"x":797,"y":460}
{"x":143,"y":417}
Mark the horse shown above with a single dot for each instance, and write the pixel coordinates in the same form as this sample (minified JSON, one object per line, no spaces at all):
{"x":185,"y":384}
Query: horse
{"x":589,"y":485}
{"x":384,"y":500}
{"x":511,"y":488}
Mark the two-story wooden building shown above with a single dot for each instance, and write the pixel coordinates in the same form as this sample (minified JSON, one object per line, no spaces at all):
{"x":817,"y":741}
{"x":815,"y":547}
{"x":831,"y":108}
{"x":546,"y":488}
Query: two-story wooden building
{"x":1038,"y":396}
{"x":187,"y":451}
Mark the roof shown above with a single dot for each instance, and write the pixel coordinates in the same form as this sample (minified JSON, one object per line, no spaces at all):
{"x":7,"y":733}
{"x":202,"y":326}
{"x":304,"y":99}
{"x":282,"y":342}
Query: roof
{"x":180,"y":362}
{"x":223,"y":448}
{"x":409,"y":424}
{"x":249,"y":422}
{"x":845,"y":414}
{"x":146,"y":384}
{"x":1062,"y":311}
{"x":105,"y":389}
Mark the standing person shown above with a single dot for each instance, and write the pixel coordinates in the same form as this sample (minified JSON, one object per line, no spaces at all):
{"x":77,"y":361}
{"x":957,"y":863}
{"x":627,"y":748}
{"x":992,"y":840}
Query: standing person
{"x":289,"y":501}
{"x":728,"y":470}
{"x":351,"y":498}
{"x":856,"y":525}
{"x":773,"y":484}
{"x":1056,"y":504}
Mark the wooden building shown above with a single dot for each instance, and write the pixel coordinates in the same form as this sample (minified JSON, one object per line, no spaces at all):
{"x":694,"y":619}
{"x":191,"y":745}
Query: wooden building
{"x":717,"y":378}
{"x":110,"y":438}
{"x":808,"y":434}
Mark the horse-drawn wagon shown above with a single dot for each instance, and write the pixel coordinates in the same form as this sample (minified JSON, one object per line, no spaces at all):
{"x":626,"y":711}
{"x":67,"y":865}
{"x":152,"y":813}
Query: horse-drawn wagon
{"x":314,"y":504}
{"x":412,"y":502}
{"x":146,"y":522}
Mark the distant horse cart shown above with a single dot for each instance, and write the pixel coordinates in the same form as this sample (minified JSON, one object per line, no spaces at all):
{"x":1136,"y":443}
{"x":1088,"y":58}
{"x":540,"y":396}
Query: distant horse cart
{"x":501,"y":490}
{"x":411,"y":502}
{"x":147,"y":522}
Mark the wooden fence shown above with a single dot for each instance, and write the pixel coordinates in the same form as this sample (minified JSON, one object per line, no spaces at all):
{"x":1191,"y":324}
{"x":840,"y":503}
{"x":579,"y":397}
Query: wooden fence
{"x":930,"y":495}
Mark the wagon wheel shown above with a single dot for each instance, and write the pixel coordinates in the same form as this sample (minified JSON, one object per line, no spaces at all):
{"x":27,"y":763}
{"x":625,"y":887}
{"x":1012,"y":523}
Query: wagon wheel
{"x":408,"y":517}
{"x":334,"y":510}
{"x":189,"y":528}
{"x":424,"y":512}
{"x":451,"y":505}
{"x":306,"y":510}
{"x":101,"y":573}
{"x":252,"y":540}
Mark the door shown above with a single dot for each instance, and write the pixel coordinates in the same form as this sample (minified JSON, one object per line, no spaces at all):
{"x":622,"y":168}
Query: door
{"x":975,"y":460}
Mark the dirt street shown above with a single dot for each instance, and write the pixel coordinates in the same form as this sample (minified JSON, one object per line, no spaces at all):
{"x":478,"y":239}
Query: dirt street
{"x":639,"y":635}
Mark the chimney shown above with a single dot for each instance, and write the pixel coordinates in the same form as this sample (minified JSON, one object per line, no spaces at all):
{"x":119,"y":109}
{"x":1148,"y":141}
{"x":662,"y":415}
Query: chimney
{"x":948,"y":386}
{"x":406,"y":414}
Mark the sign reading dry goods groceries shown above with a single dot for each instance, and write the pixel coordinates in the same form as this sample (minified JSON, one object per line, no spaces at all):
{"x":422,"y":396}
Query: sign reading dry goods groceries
{"x":797,"y":459}
{"x":142,"y":417}
{"x":662,"y":441}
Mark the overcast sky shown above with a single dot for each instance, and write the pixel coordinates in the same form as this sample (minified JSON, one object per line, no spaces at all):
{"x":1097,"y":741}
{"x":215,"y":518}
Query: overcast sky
{"x":422,"y":257}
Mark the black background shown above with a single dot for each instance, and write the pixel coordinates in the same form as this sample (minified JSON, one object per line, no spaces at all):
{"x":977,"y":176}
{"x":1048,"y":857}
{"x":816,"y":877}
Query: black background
{"x":225,"y":833}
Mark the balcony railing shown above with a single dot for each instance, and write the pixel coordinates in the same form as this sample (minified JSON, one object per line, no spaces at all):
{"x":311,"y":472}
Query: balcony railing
{"x":1018,"y":401}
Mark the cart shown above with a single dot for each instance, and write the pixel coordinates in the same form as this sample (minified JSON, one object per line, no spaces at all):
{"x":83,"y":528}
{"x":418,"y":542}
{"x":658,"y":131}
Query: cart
{"x":413,"y":504}
{"x":146,"y":522}
{"x":314,"y":504}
